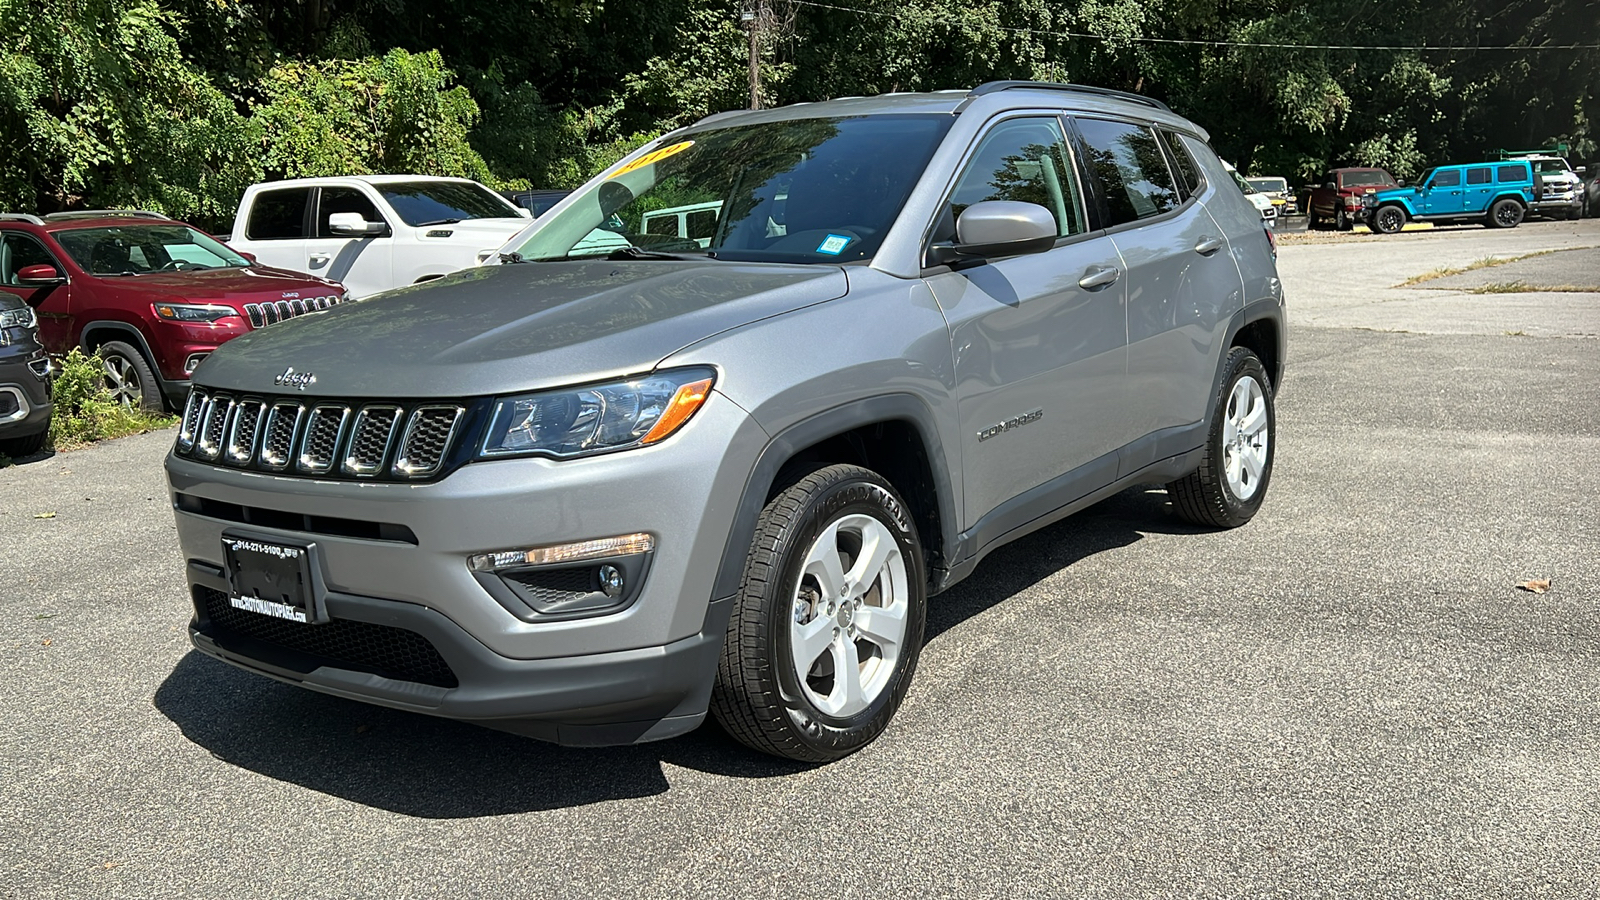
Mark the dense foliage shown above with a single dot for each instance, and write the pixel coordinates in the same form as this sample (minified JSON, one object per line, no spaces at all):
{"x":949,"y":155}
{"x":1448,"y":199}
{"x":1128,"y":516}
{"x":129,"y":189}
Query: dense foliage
{"x":178,"y":104}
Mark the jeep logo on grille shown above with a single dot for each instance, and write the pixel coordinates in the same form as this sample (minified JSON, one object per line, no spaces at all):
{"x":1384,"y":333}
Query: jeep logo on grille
{"x":296,"y":380}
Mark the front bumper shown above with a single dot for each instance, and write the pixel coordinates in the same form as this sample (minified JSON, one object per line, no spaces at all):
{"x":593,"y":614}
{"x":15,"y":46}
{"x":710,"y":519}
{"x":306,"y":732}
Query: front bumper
{"x":517,"y":670}
{"x":25,"y":394}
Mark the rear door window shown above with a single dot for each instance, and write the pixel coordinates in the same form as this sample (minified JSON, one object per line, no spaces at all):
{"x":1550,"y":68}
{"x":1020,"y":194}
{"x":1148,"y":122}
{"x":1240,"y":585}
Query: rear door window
{"x":1512,"y":175}
{"x":1132,"y":171}
{"x":1478,"y":176}
{"x":278,"y":215}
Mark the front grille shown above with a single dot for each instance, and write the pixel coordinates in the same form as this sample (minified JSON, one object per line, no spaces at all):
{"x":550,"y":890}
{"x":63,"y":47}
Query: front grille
{"x":342,"y":643}
{"x":323,"y":439}
{"x":271,"y":313}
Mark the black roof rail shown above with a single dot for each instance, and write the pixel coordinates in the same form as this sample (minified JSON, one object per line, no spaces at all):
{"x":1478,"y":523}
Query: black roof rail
{"x":104,"y":214}
{"x":993,"y":87}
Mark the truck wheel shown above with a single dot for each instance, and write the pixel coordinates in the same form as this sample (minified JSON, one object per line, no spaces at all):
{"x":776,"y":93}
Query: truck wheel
{"x":1389,"y":220}
{"x":1506,"y":213}
{"x":1312,"y":222}
{"x":1228,"y":487}
{"x":129,"y":377}
{"x":827,"y":627}
{"x":1341,"y":221}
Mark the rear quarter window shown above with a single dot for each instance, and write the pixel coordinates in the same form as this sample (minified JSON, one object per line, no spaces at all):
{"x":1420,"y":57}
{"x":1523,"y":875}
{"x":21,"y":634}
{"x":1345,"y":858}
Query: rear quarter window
{"x":1512,"y":175}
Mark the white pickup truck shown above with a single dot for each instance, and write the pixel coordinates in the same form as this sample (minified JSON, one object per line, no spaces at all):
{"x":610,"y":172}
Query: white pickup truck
{"x":374,"y":232}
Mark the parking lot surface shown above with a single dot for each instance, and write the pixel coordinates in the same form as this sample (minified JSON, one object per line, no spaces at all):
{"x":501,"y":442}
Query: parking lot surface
{"x":1348,"y":697}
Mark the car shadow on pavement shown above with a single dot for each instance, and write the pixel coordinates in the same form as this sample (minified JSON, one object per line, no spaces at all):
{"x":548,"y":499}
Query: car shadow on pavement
{"x":433,"y":768}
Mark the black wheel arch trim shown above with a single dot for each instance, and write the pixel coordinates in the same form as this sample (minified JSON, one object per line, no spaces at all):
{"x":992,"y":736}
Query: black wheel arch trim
{"x":126,"y":329}
{"x":899,"y":407}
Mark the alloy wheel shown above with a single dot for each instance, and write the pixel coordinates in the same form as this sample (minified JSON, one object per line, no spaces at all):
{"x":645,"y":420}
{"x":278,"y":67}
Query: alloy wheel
{"x":849,"y":615}
{"x":1245,"y":438}
{"x":122,"y":381}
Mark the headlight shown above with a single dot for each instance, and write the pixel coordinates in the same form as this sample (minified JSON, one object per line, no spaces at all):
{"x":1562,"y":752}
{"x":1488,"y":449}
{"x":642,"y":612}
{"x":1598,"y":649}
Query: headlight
{"x":193,"y":312}
{"x":18,"y":318}
{"x":599,"y":418}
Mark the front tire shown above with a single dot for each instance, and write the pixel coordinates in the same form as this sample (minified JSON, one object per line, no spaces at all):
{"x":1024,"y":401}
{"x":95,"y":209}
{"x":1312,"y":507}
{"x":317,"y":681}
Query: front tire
{"x":1506,"y":214}
{"x":24,"y":446}
{"x":1341,"y":221}
{"x":1389,"y":220}
{"x":826,"y":630}
{"x":129,"y":377}
{"x":1228,"y":487}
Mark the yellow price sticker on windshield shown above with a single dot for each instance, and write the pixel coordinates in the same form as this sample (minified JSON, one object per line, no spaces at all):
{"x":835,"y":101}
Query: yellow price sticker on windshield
{"x":651,"y":158}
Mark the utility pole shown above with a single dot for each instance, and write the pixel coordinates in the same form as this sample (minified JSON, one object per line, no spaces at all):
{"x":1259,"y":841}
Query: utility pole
{"x":754,"y":16}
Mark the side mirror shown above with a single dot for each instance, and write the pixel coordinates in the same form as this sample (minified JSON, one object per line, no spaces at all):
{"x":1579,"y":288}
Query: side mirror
{"x":353,"y":225}
{"x":1580,"y":170}
{"x":1330,"y":186}
{"x":1401,"y":182}
{"x":1004,"y":228}
{"x":247,"y":255}
{"x":39,"y":276}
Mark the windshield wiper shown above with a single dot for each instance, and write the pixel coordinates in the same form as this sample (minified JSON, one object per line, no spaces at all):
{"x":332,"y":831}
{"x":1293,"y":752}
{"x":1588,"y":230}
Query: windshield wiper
{"x":436,"y":222}
{"x":513,"y":257}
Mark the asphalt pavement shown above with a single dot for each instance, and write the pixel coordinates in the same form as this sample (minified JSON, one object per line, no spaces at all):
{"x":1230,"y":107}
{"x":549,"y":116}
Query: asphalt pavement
{"x":1347,"y":697}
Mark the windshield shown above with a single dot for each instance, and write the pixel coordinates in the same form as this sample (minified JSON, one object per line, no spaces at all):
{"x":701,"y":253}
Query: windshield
{"x":1268,"y":184}
{"x":137,"y":249}
{"x":443,"y":202}
{"x":1549,"y":166}
{"x":1367,"y":179}
{"x":1243,"y":185}
{"x":805,"y":190}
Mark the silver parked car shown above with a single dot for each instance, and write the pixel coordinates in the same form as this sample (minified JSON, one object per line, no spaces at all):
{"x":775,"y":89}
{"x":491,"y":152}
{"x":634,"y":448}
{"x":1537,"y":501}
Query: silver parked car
{"x":607,"y":487}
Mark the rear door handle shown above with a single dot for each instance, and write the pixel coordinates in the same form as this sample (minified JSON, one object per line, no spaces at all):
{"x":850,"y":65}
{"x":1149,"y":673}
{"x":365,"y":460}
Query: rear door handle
{"x":1099,"y":278}
{"x":1208,"y":246}
{"x":319,"y":259}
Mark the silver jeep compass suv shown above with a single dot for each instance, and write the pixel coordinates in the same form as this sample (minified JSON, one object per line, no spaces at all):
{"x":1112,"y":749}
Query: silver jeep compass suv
{"x":633,"y":472}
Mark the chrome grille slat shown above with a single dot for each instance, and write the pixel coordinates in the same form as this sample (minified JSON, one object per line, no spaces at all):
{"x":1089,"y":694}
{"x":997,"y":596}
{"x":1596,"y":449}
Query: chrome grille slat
{"x":192,"y":410}
{"x":278,"y":441}
{"x":370,"y":439}
{"x":325,"y":426}
{"x":253,"y":310}
{"x":329,"y":438}
{"x":241,"y":446}
{"x":214,"y":425}
{"x":427,"y":439}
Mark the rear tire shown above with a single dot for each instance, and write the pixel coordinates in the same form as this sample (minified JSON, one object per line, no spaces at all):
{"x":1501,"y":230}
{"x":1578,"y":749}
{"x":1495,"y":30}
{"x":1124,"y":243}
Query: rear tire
{"x":1506,"y":213}
{"x":1228,"y":487}
{"x":826,"y":630}
{"x":129,"y":377}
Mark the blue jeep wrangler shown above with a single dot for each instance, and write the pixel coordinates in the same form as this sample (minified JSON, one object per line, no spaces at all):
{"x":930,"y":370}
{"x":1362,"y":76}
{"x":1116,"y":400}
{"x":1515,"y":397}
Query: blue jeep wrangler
{"x":1495,"y":194}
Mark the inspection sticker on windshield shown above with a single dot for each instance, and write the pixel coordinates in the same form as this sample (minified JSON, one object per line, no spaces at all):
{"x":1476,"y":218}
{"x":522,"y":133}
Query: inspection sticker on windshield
{"x":651,"y":158}
{"x":833,"y":244}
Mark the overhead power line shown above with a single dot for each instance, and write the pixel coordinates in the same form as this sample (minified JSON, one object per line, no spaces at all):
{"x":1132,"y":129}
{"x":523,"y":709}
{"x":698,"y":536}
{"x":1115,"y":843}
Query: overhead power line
{"x":1193,"y":42}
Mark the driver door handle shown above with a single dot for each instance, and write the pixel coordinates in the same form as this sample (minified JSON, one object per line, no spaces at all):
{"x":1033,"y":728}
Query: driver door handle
{"x":1099,"y":278}
{"x":319,"y":259}
{"x":1208,"y":245}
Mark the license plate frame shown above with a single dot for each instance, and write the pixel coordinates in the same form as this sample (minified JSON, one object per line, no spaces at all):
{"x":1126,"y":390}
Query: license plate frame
{"x":274,"y":576}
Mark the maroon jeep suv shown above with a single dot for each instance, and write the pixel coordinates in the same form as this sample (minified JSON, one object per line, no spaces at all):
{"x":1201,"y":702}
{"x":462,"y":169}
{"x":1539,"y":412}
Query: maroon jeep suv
{"x":152,"y":295}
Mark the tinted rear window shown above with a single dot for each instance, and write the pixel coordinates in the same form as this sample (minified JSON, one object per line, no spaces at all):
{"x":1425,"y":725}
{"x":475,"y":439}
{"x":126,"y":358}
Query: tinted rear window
{"x":1131,"y":169}
{"x":1512,"y":174}
{"x":278,"y":215}
{"x":1477,"y":176}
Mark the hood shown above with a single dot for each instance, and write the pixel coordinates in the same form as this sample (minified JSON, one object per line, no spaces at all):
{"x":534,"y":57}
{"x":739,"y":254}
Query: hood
{"x":1391,"y":193}
{"x":252,"y":284}
{"x":504,"y":329}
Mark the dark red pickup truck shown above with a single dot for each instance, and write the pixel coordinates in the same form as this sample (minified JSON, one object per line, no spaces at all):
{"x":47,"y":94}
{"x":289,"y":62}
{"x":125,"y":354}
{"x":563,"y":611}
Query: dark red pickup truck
{"x":1337,"y":201}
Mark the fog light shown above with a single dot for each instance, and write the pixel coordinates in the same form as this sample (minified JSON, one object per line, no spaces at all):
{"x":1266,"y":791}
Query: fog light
{"x":194,"y":360}
{"x":611,"y":581}
{"x":599,"y":548}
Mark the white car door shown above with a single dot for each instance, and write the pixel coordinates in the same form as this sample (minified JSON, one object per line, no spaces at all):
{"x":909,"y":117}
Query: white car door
{"x":274,"y":229}
{"x":364,"y":265}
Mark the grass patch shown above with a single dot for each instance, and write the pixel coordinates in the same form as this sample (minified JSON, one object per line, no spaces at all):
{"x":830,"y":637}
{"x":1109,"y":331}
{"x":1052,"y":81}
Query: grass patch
{"x":1480,"y":263}
{"x":1522,"y":287}
{"x":85,"y":412}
